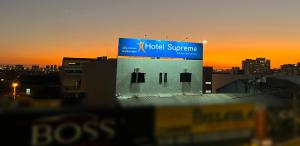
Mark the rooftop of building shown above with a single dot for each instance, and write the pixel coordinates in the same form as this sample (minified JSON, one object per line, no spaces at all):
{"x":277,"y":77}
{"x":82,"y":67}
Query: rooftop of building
{"x":205,"y":99}
{"x":73,"y":58}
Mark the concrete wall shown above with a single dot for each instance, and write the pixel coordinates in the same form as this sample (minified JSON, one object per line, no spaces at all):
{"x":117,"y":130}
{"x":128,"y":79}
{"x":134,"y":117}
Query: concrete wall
{"x":71,"y":76}
{"x":152,"y":68}
{"x":99,"y":82}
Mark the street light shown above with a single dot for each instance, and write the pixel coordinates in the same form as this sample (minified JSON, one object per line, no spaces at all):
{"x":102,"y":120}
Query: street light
{"x":14,"y":85}
{"x":204,"y":41}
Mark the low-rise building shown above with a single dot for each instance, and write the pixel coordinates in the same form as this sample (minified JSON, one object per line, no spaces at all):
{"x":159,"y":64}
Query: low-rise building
{"x":71,"y":76}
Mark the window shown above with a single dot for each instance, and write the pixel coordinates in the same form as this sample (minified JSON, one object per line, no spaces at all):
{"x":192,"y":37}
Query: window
{"x":137,"y":77}
{"x":185,"y":77}
{"x":141,"y":78}
{"x":207,"y":91}
{"x":160,"y":78}
{"x":73,"y":63}
{"x":208,"y":83}
{"x":133,"y":77}
{"x":166,"y":77}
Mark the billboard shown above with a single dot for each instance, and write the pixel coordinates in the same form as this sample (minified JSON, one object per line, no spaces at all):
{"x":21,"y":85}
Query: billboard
{"x":203,"y":124}
{"x":78,"y":127}
{"x":160,"y":48}
{"x":136,"y":126}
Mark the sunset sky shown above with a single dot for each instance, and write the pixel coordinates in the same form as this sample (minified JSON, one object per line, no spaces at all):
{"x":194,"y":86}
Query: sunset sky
{"x":44,"y":31}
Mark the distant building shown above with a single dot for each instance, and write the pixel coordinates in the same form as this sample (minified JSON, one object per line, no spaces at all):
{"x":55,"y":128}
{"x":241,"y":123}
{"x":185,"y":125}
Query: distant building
{"x":275,"y":71}
{"x":51,"y":68}
{"x":55,"y":68}
{"x":262,"y":66}
{"x":257,"y":66}
{"x":248,"y":66}
{"x":47,"y":69}
{"x":236,"y":70}
{"x":221,"y":71}
{"x":8,"y":67}
{"x":289,"y":69}
{"x":298,"y":68}
{"x":19,"y":68}
{"x":35,"y":68}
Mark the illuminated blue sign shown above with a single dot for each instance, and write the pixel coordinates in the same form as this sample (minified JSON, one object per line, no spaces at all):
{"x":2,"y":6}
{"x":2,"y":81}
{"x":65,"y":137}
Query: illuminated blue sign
{"x":160,"y":48}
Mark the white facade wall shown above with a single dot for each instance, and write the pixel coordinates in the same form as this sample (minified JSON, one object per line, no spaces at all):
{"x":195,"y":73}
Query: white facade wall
{"x":152,"y":68}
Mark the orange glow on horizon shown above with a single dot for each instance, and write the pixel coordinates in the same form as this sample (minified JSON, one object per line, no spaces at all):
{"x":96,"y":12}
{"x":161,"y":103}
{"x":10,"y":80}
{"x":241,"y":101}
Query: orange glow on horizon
{"x":45,"y":32}
{"x":217,"y":53}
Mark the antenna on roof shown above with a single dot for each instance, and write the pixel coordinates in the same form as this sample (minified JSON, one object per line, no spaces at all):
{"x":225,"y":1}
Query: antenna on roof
{"x":186,"y":38}
{"x":107,"y":52}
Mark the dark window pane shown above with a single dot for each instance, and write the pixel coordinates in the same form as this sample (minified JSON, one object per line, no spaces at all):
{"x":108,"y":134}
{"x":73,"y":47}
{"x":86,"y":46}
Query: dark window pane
{"x":133,"y":77}
{"x":185,"y":77}
{"x":141,"y":78}
{"x":160,"y":78}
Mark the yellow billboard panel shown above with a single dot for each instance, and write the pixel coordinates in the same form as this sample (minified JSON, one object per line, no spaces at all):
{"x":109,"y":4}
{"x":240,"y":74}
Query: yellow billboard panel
{"x":203,"y":119}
